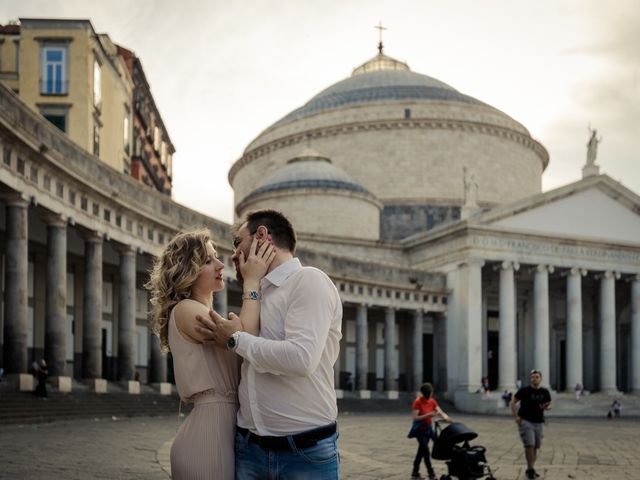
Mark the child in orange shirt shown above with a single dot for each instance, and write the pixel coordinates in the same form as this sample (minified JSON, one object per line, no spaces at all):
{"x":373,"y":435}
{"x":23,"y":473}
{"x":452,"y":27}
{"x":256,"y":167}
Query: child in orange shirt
{"x":424,"y":409}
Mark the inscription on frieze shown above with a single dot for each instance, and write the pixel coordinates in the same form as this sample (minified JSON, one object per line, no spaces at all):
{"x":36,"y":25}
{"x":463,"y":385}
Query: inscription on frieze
{"x":527,"y":246}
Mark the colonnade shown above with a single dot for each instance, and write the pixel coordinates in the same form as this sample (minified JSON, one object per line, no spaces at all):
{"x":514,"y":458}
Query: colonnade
{"x":606,"y":326}
{"x":15,"y":347}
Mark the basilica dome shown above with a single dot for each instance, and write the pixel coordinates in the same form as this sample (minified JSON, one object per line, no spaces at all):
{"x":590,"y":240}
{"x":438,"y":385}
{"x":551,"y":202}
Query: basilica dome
{"x":318,"y":198}
{"x":372,"y":82}
{"x":405,"y":138}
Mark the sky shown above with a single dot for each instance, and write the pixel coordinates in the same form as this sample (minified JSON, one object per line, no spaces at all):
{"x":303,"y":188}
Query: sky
{"x":221,"y":72}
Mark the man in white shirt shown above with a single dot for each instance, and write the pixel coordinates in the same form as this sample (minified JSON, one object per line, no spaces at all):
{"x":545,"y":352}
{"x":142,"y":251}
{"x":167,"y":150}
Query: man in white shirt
{"x":287,"y":417}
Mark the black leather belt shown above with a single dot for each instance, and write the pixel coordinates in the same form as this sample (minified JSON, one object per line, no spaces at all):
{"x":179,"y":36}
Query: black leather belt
{"x":302,"y":440}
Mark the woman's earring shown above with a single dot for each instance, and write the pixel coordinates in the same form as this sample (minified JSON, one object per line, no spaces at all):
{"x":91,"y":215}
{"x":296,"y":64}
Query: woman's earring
{"x":188,"y":294}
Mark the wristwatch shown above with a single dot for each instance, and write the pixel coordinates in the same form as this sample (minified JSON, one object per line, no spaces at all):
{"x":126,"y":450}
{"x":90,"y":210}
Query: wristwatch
{"x":251,"y":295}
{"x":232,"y":341}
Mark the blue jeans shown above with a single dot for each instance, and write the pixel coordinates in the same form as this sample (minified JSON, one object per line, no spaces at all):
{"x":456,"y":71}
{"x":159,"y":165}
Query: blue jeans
{"x":320,"y":461}
{"x":423,"y":451}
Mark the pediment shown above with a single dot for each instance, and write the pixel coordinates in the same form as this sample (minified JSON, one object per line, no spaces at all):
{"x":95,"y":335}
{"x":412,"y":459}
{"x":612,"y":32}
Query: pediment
{"x":591,"y":213}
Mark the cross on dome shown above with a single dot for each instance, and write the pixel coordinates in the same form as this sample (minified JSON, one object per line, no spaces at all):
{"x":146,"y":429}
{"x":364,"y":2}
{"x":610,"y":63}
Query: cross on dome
{"x":380,"y":29}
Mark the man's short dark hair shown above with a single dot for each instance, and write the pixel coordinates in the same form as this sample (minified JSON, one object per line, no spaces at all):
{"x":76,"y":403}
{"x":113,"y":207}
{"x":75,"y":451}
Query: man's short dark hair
{"x":426,"y":389}
{"x":280,"y":228}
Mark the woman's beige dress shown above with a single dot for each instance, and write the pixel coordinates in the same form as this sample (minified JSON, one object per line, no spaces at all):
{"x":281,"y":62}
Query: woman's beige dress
{"x":208,"y":377}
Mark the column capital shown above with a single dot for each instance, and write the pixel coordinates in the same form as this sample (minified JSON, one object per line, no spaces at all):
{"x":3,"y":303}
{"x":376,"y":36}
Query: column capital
{"x":608,"y":274}
{"x":390,"y":309}
{"x":126,"y":249}
{"x":16,"y":199}
{"x":53,"y":219}
{"x":507,"y":264}
{"x":93,"y":237}
{"x":472,"y":262}
{"x":577,"y":271}
{"x":544,"y":268}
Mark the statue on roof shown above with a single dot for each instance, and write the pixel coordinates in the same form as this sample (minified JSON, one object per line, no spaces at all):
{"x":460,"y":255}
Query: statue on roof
{"x":592,"y":146}
{"x":470,"y":188}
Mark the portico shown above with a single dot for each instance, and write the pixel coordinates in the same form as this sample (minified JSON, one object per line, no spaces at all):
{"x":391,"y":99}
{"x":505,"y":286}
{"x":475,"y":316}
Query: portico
{"x":552,"y":300}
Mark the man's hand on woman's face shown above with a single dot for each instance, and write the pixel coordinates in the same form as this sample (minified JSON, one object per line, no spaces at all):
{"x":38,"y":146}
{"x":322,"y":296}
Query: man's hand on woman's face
{"x":215,"y":329}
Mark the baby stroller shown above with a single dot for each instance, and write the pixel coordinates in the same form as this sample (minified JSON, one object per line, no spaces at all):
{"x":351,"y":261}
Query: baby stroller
{"x":463,"y":461}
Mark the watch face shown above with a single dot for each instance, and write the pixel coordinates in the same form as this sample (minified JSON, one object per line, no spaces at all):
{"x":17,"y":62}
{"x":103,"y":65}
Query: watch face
{"x":231,"y":342}
{"x":253,"y":295}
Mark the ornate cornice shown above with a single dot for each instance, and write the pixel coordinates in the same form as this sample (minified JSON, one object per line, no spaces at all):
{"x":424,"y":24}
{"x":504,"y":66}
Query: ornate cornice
{"x":65,"y":165}
{"x":303,"y":137}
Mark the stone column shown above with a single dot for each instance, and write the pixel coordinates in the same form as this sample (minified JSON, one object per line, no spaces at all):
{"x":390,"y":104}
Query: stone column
{"x":635,"y":335}
{"x":484,"y":348}
{"x":158,"y":361}
{"x":416,"y":357}
{"x":127,"y":314}
{"x":55,"y":331}
{"x":608,"y":368}
{"x":574,"y":328}
{"x":92,"y":308}
{"x":220,"y":304}
{"x":16,"y":270}
{"x":507,"y":353}
{"x":362,"y":347}
{"x":390,"y":373}
{"x":541,"y":351}
{"x":463,"y":330}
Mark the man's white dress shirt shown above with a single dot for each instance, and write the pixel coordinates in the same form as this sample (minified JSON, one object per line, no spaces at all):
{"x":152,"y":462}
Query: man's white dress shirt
{"x":287,"y":383}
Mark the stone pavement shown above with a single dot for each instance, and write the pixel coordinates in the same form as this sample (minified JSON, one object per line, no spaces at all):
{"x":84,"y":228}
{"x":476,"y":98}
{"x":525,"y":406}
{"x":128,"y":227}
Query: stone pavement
{"x":372,"y":446}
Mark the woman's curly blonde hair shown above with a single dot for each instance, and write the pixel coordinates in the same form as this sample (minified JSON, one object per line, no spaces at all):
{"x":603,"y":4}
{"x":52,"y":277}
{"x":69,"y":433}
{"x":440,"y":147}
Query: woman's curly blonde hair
{"x":172,"y":276}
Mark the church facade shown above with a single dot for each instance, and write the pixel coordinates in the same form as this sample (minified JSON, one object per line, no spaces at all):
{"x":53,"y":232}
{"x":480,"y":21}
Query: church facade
{"x":423,"y":204}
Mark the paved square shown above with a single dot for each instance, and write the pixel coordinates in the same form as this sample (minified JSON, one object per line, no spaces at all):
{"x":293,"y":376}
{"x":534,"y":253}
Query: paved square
{"x":372,"y":446}
{"x":376,"y":447}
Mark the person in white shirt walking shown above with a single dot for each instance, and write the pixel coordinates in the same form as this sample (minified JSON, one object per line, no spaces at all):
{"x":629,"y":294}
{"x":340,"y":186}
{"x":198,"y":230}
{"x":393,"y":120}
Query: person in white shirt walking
{"x":287,"y":419}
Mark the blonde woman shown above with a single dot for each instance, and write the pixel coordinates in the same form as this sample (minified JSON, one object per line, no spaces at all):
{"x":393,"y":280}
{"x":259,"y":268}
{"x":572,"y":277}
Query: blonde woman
{"x":182,"y":283}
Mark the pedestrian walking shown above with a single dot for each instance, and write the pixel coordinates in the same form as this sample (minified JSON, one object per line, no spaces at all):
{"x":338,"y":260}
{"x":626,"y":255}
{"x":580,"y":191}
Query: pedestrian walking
{"x":534,"y":400}
{"x":424,"y":409}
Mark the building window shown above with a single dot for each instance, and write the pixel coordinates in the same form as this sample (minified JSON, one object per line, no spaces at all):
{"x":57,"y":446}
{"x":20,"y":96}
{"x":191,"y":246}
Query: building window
{"x":57,"y":115}
{"x":118,"y":220}
{"x":140,"y":230}
{"x":107,"y":215}
{"x":17,"y":45}
{"x":161,"y":238}
{"x":47,"y":183}
{"x":59,"y":189}
{"x":163,"y":153}
{"x":72,"y":197}
{"x":20,"y":166}
{"x":34,"y":174}
{"x":96,"y":140}
{"x":54,"y":70}
{"x":407,"y":113}
{"x":6,"y":156}
{"x":129,"y":225}
{"x":150,"y":234}
{"x":96,"y":209}
{"x":126,"y":134}
{"x":156,"y":138}
{"x":84,"y":202}
{"x":97,"y":84}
